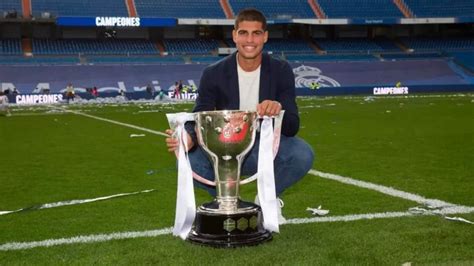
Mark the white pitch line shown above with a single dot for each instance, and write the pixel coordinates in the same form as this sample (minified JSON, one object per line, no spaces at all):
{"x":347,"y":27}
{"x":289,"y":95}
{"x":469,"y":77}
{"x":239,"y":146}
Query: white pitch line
{"x":83,"y":239}
{"x":383,"y":189}
{"x":380,"y":215}
{"x":348,"y":218}
{"x":166,"y":231}
{"x":117,"y":123}
{"x":75,"y":202}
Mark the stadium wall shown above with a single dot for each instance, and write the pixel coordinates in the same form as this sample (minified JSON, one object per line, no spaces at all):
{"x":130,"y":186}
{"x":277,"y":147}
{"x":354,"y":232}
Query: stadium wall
{"x":324,"y":78}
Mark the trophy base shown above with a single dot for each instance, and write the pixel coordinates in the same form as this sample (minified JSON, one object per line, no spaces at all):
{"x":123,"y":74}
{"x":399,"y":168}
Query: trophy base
{"x":222,"y":230}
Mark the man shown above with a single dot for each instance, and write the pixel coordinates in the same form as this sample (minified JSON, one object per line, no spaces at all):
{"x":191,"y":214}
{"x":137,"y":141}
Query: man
{"x":252,"y":80}
{"x":4,"y":108}
{"x":70,"y":92}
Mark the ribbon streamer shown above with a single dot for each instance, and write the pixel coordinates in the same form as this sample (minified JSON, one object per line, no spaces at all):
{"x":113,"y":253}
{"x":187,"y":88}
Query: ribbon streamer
{"x":276,"y":143}
{"x":185,"y":202}
{"x":266,"y":177}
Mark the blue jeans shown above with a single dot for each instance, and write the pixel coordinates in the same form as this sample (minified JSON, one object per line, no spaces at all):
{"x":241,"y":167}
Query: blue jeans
{"x":294,"y":159}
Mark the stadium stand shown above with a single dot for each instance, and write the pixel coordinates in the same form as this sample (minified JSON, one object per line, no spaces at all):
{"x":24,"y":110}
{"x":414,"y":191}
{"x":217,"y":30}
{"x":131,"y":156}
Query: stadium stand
{"x":288,"y":46}
{"x":283,"y":46}
{"x":205,"y":59}
{"x":408,"y":56}
{"x":360,"y":9}
{"x":441,"y":8}
{"x":439,"y":44}
{"x":7,"y":6}
{"x":356,"y":45}
{"x":306,"y":58}
{"x":179,"y":8}
{"x":283,"y":9}
{"x":96,"y":60}
{"x":191,"y":46}
{"x":80,"y":8}
{"x":10,"y":47}
{"x":91,"y":46}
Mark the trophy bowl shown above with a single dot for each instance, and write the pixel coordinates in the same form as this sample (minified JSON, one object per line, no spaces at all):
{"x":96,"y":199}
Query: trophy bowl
{"x":226,"y":137}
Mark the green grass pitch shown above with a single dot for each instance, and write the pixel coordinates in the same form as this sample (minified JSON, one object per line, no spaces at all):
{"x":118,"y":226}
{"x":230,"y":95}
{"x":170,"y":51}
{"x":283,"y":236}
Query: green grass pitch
{"x":421,"y":144}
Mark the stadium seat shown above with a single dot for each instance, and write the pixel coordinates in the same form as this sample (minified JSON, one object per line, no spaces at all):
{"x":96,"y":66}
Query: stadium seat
{"x":360,"y":9}
{"x":439,"y":44}
{"x":179,"y":8}
{"x":191,"y":46}
{"x":283,"y":9}
{"x":10,"y":47}
{"x":10,"y":6}
{"x":356,"y":45}
{"x":80,"y":8}
{"x":441,"y":8}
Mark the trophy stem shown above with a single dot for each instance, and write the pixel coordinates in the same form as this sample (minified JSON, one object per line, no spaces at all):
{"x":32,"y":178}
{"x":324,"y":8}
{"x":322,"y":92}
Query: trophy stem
{"x":227,"y":184}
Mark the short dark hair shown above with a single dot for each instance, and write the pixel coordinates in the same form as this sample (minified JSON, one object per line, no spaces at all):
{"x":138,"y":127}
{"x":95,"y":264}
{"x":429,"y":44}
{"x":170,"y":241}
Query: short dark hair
{"x":250,"y":14}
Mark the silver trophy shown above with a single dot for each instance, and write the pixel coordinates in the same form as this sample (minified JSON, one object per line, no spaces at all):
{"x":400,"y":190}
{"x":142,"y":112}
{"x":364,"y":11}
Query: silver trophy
{"x":226,"y":137}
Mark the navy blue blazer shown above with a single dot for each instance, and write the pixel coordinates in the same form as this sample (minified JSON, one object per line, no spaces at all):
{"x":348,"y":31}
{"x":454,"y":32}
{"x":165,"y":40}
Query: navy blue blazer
{"x":219,"y":89}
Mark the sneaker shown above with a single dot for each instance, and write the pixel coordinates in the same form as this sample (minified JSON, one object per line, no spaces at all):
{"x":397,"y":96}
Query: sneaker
{"x":281,"y":219}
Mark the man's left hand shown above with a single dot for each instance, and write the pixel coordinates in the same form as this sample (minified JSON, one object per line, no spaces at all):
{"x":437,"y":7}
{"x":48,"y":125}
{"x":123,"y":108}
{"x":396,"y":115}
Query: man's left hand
{"x":268,"y":108}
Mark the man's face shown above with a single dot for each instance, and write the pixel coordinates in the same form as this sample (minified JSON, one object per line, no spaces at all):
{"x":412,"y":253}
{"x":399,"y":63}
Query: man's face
{"x":249,"y":39}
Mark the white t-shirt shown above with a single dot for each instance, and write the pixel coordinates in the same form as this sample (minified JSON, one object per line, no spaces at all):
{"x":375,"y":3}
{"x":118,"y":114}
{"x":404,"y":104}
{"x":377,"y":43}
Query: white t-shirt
{"x":249,"y":87}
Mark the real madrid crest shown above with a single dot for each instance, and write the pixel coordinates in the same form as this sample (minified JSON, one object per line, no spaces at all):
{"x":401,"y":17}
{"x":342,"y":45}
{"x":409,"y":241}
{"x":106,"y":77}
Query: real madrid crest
{"x":308,"y":77}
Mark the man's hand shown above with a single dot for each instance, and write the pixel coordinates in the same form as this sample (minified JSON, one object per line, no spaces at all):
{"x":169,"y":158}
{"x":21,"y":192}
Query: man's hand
{"x":173,"y":143}
{"x":268,"y":108}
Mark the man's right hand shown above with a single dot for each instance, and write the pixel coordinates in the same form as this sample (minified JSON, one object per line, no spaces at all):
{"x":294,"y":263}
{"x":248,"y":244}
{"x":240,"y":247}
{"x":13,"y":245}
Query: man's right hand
{"x":173,"y":144}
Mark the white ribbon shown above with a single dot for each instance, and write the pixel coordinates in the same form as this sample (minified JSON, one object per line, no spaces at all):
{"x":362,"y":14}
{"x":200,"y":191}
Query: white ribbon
{"x":276,"y":144}
{"x":266,"y":177}
{"x":185,"y":203}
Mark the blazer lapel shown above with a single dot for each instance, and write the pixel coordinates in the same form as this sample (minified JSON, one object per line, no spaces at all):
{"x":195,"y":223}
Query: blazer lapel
{"x":233,"y":82}
{"x":265,"y":80}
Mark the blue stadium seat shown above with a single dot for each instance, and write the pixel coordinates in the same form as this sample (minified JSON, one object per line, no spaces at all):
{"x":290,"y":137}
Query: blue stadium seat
{"x":91,"y":46}
{"x":179,"y":8}
{"x":439,"y":44}
{"x":441,"y":8}
{"x":356,"y":45}
{"x":282,"y":9}
{"x":10,"y":47}
{"x":283,"y":45}
{"x":10,"y":5}
{"x":205,"y":59}
{"x":127,"y":60}
{"x":191,"y":46}
{"x":80,"y":8}
{"x":360,"y":9}
{"x":318,"y":58}
{"x":288,"y":46}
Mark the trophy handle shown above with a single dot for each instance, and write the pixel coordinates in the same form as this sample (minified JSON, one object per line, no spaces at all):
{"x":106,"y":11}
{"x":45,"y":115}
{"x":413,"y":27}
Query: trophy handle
{"x":203,"y":180}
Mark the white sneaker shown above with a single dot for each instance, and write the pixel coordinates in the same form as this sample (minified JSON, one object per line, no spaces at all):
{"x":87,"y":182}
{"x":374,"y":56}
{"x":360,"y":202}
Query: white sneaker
{"x":281,"y":219}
